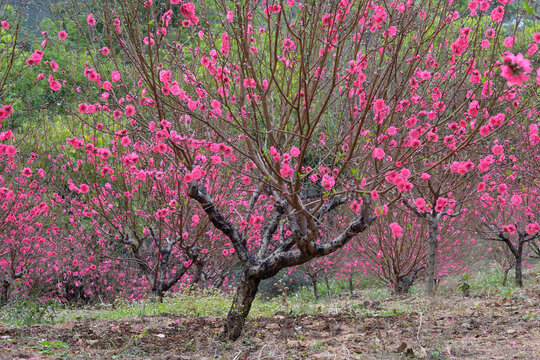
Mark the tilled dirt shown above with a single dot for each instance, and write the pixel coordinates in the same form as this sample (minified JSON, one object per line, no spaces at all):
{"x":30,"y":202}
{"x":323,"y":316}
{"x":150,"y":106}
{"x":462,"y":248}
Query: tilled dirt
{"x":443,"y":328}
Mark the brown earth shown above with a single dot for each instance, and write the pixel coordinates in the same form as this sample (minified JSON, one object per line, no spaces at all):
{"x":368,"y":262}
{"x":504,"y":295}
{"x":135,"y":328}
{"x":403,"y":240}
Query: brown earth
{"x":443,"y":328}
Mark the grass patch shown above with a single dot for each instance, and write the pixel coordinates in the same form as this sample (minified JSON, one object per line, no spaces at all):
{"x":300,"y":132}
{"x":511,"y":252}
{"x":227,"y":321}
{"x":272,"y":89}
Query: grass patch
{"x":197,"y":303}
{"x":333,"y":298}
{"x":29,"y":311}
{"x":370,"y":287}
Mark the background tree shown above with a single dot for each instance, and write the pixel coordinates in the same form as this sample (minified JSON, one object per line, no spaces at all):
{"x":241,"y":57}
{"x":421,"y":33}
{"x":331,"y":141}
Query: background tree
{"x":395,"y":249}
{"x":511,"y":218}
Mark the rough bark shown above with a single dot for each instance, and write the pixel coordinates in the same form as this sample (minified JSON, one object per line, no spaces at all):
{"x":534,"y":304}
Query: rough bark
{"x":519,"y":276}
{"x":327,"y":287}
{"x":199,"y":265}
{"x":5,"y":286}
{"x":506,"y":271}
{"x":431,"y":257}
{"x":403,"y":285}
{"x":4,"y":294}
{"x":314,"y":284}
{"x":236,"y":319}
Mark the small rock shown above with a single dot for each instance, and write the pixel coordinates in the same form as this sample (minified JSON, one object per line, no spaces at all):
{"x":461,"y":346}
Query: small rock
{"x":402,"y":347}
{"x":325,"y":355}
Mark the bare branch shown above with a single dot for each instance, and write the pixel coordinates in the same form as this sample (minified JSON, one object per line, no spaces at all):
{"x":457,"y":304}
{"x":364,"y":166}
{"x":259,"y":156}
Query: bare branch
{"x":199,"y":194}
{"x":271,"y":227}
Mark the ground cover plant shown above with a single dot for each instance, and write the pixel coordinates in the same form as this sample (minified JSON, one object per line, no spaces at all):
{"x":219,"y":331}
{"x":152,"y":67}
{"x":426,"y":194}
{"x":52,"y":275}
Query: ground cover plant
{"x":237,"y":148}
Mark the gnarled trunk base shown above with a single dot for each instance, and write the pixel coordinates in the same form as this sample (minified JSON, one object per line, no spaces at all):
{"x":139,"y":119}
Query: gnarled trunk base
{"x":236,"y":319}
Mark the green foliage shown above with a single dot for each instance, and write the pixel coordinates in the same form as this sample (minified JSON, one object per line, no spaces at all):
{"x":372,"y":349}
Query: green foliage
{"x":527,"y":7}
{"x":29,"y":312}
{"x":508,"y":292}
{"x":464,"y":285}
{"x":50,"y":346}
{"x":196,"y":303}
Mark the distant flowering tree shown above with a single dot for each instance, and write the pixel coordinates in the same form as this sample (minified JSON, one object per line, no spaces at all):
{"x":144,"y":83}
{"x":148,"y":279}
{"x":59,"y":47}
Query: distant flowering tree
{"x":503,"y":258}
{"x":137,"y":202}
{"x":23,"y":213}
{"x":21,"y":202}
{"x":507,"y":195}
{"x":436,"y":204}
{"x":396,"y":249}
{"x":276,"y":115}
{"x":511,"y":218}
{"x":317,"y":269}
{"x":395,"y":252}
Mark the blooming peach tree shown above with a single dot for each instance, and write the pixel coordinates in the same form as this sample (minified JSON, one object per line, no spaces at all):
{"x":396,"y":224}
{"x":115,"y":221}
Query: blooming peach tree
{"x":511,"y":218}
{"x":395,"y":250}
{"x":267,"y":119}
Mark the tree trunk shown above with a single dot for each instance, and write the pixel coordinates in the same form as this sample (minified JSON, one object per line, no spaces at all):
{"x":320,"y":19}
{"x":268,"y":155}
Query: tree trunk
{"x":396,"y":286}
{"x":315,"y":290}
{"x":160,"y":294}
{"x":245,"y":294}
{"x":4,"y":292}
{"x":519,"y":276}
{"x":198,"y":272}
{"x":351,"y":285}
{"x":536,"y":249}
{"x":506,"y":271}
{"x":327,"y":287}
{"x":430,"y":260}
{"x":404,"y":284}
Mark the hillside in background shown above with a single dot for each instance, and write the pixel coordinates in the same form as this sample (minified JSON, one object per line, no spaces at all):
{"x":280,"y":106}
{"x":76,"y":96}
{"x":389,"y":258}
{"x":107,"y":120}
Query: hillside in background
{"x":35,"y":10}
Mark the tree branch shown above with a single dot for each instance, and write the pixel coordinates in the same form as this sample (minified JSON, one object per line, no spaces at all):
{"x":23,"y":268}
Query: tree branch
{"x":251,"y":206}
{"x":282,"y":259}
{"x":530,"y":238}
{"x":328,"y":207}
{"x":413,"y":209}
{"x":199,"y":194}
{"x":271,"y":228}
{"x":361,"y":224}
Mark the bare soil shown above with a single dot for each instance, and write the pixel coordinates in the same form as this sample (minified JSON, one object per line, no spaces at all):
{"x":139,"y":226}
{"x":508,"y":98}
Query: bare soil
{"x":413,"y":327}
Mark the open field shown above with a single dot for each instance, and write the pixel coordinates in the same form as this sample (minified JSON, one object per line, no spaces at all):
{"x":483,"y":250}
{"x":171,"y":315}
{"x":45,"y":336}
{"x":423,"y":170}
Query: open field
{"x":490,"y":324}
